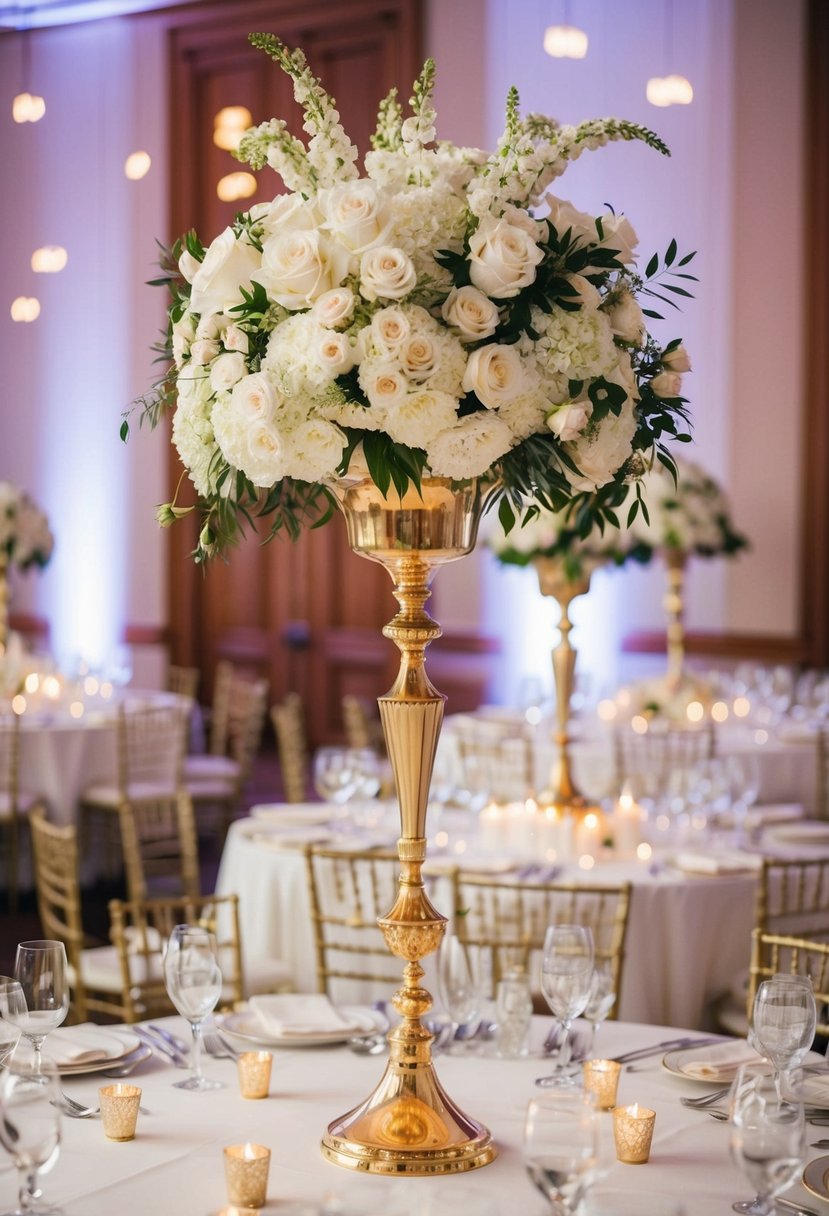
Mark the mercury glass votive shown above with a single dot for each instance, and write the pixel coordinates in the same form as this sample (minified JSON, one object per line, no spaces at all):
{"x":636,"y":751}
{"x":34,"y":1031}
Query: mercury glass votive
{"x":632,"y":1133}
{"x":254,"y":1073}
{"x":246,"y":1174}
{"x":119,"y":1110}
{"x":601,"y":1077}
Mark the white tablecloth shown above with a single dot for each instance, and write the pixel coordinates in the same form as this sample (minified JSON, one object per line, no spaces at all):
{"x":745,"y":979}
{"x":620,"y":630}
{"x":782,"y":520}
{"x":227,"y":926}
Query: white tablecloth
{"x":174,"y":1166}
{"x":688,"y":937}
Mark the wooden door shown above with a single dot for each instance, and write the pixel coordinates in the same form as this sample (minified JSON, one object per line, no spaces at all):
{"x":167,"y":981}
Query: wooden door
{"x":307,"y":614}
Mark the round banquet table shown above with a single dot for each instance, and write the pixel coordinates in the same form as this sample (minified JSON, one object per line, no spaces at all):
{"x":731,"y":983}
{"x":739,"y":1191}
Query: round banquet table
{"x":688,"y":935}
{"x":175,"y":1164}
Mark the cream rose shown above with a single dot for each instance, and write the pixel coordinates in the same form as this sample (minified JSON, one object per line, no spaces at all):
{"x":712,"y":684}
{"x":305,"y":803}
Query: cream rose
{"x":389,"y":330}
{"x":356,"y":214}
{"x":585,"y":293}
{"x":335,"y":353}
{"x":297,"y":267}
{"x":188,"y":265}
{"x":626,"y":319}
{"x":494,"y":374}
{"x":619,"y":234}
{"x":418,"y":356}
{"x":255,"y":397}
{"x":470,"y":312}
{"x":566,"y":218}
{"x":227,"y":370}
{"x":676,"y":360}
{"x":383,"y":383}
{"x":229,"y":264}
{"x":235,"y":338}
{"x":667,"y":384}
{"x":386,"y":273}
{"x":334,"y":307}
{"x":569,"y":420}
{"x":203,"y":350}
{"x":502,"y":258}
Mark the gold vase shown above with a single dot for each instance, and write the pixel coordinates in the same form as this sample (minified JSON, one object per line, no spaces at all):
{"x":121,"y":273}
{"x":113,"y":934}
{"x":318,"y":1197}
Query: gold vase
{"x":4,"y":602}
{"x":675,"y":560}
{"x":553,"y":580}
{"x":409,"y":1125}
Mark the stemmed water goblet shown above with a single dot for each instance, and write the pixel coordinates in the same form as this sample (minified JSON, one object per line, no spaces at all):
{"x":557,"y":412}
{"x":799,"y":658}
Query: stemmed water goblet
{"x":566,"y":977}
{"x":744,"y":774}
{"x":194,"y":984}
{"x":460,"y":985}
{"x":30,"y":1130}
{"x":783,"y":1022}
{"x":768,"y":1138}
{"x":561,"y":1147}
{"x":40,"y":970}
{"x":11,"y":999}
{"x":601,"y":1000}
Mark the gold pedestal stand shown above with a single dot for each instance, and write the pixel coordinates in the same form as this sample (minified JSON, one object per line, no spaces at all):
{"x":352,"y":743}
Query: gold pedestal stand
{"x":409,"y":1125}
{"x":675,"y":561}
{"x":4,"y":603}
{"x":553,"y":580}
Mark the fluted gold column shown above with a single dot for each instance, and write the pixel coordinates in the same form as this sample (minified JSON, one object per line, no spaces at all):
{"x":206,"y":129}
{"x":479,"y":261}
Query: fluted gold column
{"x":675,"y":561}
{"x":409,"y":1124}
{"x":4,"y":602}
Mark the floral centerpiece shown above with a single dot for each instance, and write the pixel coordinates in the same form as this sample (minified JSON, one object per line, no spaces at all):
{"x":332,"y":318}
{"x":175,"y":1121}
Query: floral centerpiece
{"x":25,"y":538}
{"x":443,"y":314}
{"x":689,"y":513}
{"x":552,"y":534}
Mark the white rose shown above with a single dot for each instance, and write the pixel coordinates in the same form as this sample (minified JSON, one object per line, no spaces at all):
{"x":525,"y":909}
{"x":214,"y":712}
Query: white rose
{"x":334,"y":307}
{"x":335,"y":353}
{"x":471,"y":312}
{"x":386,"y":273}
{"x":676,"y":360}
{"x":389,"y":329}
{"x":585,"y":293}
{"x":184,"y":328}
{"x":383,"y":383}
{"x":265,"y":460}
{"x":287,"y":211}
{"x":210,"y":326}
{"x":228,"y":265}
{"x":235,"y":338}
{"x":620,"y":235}
{"x":203,"y":350}
{"x":667,"y":384}
{"x":418,"y":356}
{"x":356,"y":214}
{"x":502,"y":258}
{"x":297,"y":267}
{"x":624,"y":375}
{"x":227,"y":370}
{"x":255,"y":397}
{"x":569,"y":420}
{"x":626,"y":319}
{"x":494,"y":374}
{"x":188,"y":265}
{"x":566,"y":218}
{"x":601,"y":449}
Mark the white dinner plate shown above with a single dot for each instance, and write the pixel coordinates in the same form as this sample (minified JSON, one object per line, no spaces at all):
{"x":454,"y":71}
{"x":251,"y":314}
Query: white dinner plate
{"x":816,"y":1177}
{"x":808,"y":834}
{"x":295,"y":814}
{"x":245,"y":1025}
{"x":117,"y":1047}
{"x":677,"y":1062}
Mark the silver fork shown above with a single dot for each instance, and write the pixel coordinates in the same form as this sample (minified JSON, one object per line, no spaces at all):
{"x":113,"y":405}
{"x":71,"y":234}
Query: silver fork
{"x":706,"y":1099}
{"x":216,"y":1046}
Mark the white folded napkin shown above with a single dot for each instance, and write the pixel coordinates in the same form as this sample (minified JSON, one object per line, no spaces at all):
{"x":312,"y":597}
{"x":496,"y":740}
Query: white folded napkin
{"x":82,"y":1044}
{"x":814,"y":1089}
{"x":718,"y":1062}
{"x":292,"y":1013}
{"x":716,"y":863}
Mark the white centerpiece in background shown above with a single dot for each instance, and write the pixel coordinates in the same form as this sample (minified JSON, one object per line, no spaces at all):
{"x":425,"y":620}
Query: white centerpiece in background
{"x":25,"y":541}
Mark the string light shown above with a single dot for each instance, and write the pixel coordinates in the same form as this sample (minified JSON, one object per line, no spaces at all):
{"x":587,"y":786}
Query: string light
{"x":28,"y":107}
{"x":49,"y":259}
{"x":25,"y":308}
{"x":229,"y":125}
{"x":137,"y":165}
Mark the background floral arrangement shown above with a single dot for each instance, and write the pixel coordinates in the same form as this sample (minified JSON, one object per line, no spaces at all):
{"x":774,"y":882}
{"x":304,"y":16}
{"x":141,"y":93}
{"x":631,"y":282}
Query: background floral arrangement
{"x":25,"y":538}
{"x":690,"y":513}
{"x":444,"y":314}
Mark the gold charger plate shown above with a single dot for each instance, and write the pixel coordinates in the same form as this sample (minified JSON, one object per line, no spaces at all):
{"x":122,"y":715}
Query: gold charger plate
{"x":816,"y":1177}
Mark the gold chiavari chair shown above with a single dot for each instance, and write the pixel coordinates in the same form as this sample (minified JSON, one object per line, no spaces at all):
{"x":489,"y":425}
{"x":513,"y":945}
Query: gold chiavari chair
{"x":183,"y":681}
{"x":160,"y":847}
{"x":497,"y":766}
{"x":775,"y":953}
{"x":658,"y":752}
{"x":509,"y":920}
{"x":94,"y":974}
{"x":15,"y":804}
{"x":822,"y":776}
{"x":289,"y":727}
{"x":349,"y":892}
{"x":362,"y":724}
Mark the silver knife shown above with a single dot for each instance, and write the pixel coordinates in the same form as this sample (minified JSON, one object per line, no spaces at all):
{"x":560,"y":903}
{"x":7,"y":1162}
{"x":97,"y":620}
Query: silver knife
{"x":667,"y":1045}
{"x":181,"y":1047}
{"x":158,"y":1044}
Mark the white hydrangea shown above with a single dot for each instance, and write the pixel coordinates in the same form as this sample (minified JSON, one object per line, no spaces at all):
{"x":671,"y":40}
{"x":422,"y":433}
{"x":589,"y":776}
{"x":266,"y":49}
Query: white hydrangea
{"x":525,"y":414}
{"x":420,"y":414}
{"x":692,"y":514}
{"x":576,"y":345}
{"x":470,"y":447}
{"x":316,"y":450}
{"x":293,"y":356}
{"x":193,"y":435}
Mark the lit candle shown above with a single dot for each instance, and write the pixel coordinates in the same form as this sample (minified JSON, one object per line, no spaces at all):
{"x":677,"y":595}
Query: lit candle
{"x":491,"y":825}
{"x":627,"y":824}
{"x":246,"y":1174}
{"x":601,"y":1077}
{"x":633,"y":1132}
{"x":589,"y":834}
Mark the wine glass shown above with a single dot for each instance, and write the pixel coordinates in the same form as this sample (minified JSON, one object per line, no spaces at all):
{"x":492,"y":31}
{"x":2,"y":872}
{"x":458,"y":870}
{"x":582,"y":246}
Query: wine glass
{"x":335,"y":774}
{"x":194,"y":984}
{"x":561,"y":1147}
{"x":459,"y":985}
{"x":783,"y":1021}
{"x":30,"y":1130}
{"x":601,"y":999}
{"x":11,"y":999}
{"x":566,"y":976}
{"x":744,"y":772}
{"x":768,"y":1138}
{"x":40,"y":969}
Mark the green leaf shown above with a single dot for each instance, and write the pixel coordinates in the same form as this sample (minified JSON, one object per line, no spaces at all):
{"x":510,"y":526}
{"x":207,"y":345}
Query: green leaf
{"x":688,"y":256}
{"x":652,"y":266}
{"x":124,"y":431}
{"x":506,"y":515}
{"x":670,"y":253}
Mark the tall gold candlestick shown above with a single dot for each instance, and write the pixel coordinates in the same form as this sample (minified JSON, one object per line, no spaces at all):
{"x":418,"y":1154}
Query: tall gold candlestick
{"x":4,"y":602}
{"x":553,"y":580}
{"x":409,"y":1125}
{"x":675,"y":561}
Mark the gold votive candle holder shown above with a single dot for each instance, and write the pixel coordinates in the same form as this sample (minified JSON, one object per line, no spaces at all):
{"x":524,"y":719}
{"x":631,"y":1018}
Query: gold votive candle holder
{"x":601,"y":1077}
{"x":246,"y":1174}
{"x":119,"y":1110}
{"x":633,"y":1132}
{"x":254,"y":1073}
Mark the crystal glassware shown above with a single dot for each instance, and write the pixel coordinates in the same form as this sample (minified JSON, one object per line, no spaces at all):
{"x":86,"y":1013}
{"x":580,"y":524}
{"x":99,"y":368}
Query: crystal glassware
{"x":460,"y":986}
{"x":768,"y":1138}
{"x":601,"y":1000}
{"x":40,"y":969}
{"x":194,"y":984}
{"x":30,"y":1130}
{"x":566,"y":977}
{"x":783,"y":1021}
{"x":561,"y":1147}
{"x":513,"y":1013}
{"x":11,"y":1000}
